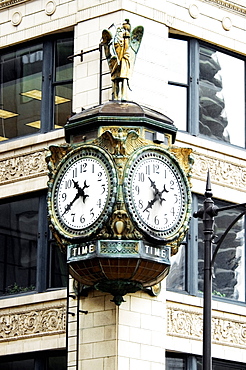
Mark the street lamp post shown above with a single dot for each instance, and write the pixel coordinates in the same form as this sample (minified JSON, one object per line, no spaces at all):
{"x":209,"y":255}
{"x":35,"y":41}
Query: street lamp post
{"x":207,"y":214}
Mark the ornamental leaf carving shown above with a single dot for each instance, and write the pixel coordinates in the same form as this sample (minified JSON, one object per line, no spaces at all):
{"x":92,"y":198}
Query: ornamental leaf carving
{"x":188,"y":324}
{"x":32,"y":323}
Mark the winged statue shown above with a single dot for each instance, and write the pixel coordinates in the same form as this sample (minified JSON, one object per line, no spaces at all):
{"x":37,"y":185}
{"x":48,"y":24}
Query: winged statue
{"x":120,"y":51}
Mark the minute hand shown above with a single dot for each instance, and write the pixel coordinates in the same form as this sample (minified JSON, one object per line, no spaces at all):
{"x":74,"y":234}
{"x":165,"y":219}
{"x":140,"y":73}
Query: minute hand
{"x":68,"y":206}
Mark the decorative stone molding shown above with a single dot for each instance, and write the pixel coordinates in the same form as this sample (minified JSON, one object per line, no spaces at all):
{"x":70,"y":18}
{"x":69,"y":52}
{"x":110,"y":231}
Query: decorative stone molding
{"x":8,"y":3}
{"x":23,"y":167}
{"x":188,"y":323}
{"x":222,"y":172}
{"x":32,"y":322}
{"x":228,"y":5}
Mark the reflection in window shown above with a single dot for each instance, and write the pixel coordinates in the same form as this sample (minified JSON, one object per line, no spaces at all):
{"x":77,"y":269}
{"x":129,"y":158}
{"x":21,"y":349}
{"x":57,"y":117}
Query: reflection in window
{"x":176,"y":277}
{"x":18,"y":245}
{"x":175,"y":362}
{"x":229,"y":267}
{"x":58,"y":267}
{"x":50,"y":360}
{"x":222,"y":96}
{"x":23,"y":222}
{"x":178,"y":82}
{"x":21,"y":73}
{"x":27,"y":73}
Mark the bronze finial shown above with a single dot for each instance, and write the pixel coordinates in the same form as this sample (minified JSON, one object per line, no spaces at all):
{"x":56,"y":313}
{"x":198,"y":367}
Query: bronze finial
{"x":120,"y":51}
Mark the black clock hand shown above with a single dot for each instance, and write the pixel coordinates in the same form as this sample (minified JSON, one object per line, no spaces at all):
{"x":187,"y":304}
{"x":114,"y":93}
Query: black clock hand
{"x":81,"y":190}
{"x":157,"y":195}
{"x":68,"y":206}
{"x":80,"y":193}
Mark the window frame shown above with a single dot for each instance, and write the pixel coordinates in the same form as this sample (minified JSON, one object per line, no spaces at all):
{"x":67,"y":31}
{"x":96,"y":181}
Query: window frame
{"x":44,"y":261}
{"x":193,"y":85}
{"x":49,"y":83}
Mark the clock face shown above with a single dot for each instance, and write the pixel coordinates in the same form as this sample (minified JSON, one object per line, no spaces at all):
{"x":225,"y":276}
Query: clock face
{"x":156,"y":194}
{"x":84,"y":192}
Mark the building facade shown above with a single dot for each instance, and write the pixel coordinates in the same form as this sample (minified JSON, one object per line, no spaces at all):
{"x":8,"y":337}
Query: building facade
{"x":191,"y":67}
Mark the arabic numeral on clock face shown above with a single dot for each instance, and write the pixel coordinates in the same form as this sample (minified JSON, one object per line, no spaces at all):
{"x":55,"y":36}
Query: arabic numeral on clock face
{"x":156,"y":220}
{"x":64,"y":196}
{"x":82,"y":219}
{"x":92,"y":213}
{"x":68,"y":184}
{"x":141,"y":176}
{"x":173,"y":211}
{"x":140,"y":204}
{"x":103,"y":188}
{"x":75,"y":173}
{"x":83,"y":167}
{"x":99,"y":176}
{"x":171,"y":185}
{"x":137,"y":190}
{"x":73,"y":216}
{"x":99,"y":203}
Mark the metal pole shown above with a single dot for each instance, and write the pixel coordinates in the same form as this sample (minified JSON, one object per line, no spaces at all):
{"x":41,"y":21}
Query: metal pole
{"x":207,"y":214}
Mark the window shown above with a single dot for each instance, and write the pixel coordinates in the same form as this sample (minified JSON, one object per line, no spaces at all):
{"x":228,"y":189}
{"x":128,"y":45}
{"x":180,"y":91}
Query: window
{"x":229,"y":269}
{"x":208,"y":87}
{"x":27,"y":261}
{"x":178,"y":361}
{"x":35,"y":87}
{"x":51,"y":360}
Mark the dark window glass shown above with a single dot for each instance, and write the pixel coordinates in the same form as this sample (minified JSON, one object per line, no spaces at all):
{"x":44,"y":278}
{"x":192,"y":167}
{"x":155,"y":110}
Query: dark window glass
{"x":51,"y":360}
{"x":175,"y":362}
{"x":18,"y":245}
{"x":222,"y":96}
{"x":36,"y":87}
{"x":21,"y":79}
{"x":229,"y":267}
{"x":58,"y":267}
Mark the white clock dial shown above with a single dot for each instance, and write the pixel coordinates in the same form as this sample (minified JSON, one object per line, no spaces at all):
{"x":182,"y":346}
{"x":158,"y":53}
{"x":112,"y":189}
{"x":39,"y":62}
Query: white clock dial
{"x":83,"y":193}
{"x":156,"y":194}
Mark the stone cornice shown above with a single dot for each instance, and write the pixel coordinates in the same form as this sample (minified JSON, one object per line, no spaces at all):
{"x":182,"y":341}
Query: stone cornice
{"x":228,"y":5}
{"x":8,"y":3}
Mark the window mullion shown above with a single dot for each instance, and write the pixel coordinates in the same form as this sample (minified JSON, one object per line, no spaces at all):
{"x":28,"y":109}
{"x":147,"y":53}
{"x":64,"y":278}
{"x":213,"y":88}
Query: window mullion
{"x":42,"y":246}
{"x":193,"y":118}
{"x":47,"y":106}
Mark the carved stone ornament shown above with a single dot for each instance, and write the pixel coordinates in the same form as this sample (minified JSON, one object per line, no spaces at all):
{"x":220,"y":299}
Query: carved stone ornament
{"x":188,"y":323}
{"x":8,"y":3}
{"x":22,"y":167}
{"x":32,"y":323}
{"x":229,"y":5}
{"x":222,"y":172}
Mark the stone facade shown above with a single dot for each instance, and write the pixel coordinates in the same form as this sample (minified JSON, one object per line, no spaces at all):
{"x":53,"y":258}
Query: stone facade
{"x":137,"y":333}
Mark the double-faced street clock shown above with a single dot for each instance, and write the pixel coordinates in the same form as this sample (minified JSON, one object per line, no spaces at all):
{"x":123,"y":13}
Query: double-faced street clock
{"x":119,"y":197}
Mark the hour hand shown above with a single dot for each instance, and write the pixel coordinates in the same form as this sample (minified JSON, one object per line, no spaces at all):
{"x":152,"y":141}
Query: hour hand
{"x":81,"y":191}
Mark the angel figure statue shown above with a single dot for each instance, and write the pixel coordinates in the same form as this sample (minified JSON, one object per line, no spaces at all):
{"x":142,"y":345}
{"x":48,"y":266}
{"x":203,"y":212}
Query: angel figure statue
{"x":120,"y":52}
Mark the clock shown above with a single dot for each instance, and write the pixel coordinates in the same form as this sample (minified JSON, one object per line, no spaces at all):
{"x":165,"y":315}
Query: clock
{"x":157,"y":194}
{"x":83,"y":192}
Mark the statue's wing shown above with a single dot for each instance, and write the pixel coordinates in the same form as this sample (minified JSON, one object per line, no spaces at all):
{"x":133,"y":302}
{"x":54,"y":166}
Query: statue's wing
{"x":107,"y":42}
{"x":106,"y":141}
{"x":133,"y":141}
{"x":136,"y":38}
{"x":106,"y":36}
